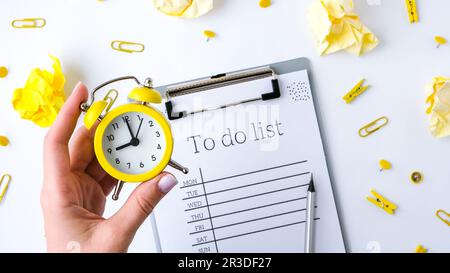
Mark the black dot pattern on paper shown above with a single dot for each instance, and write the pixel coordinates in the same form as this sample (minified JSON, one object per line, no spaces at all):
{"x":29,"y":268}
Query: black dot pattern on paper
{"x":299,"y":91}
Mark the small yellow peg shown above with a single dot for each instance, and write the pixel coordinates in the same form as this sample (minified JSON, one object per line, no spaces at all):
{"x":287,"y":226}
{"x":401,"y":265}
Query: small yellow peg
{"x":209,"y":34}
{"x":265,"y":3}
{"x":416,"y":177}
{"x":421,"y":249}
{"x":357,"y":90}
{"x":440,"y":41}
{"x":3,"y":71}
{"x":4,"y":141}
{"x":382,"y":202}
{"x":385,"y":165}
{"x":413,"y":15}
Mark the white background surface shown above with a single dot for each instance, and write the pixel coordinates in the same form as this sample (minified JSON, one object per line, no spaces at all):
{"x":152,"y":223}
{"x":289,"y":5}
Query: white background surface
{"x":79,"y":33}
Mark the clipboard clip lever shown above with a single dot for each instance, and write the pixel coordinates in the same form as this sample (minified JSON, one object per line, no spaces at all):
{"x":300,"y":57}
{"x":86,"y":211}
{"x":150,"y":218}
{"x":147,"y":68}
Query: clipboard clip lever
{"x":217,"y":81}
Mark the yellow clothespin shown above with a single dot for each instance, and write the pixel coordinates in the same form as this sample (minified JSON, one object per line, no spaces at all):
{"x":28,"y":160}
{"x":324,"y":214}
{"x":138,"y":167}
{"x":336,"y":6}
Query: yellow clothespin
{"x":357,"y":90}
{"x":28,"y":23}
{"x":372,"y":127}
{"x":421,"y":249}
{"x":382,"y":202}
{"x":413,"y":15}
{"x":443,"y":216}
{"x":128,"y":47}
{"x":8,"y":179}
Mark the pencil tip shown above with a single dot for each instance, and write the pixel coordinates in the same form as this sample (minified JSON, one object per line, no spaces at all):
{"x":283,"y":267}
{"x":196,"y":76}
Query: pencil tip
{"x":311,"y":184}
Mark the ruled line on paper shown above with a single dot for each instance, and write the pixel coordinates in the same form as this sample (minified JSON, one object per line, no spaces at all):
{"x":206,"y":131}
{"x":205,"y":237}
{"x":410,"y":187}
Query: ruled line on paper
{"x":248,"y":185}
{"x":252,"y":172}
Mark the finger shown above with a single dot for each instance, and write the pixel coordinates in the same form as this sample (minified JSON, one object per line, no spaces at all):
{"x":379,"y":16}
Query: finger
{"x":108,"y":183}
{"x":81,"y":149}
{"x":105,"y":181}
{"x":95,"y":171}
{"x":140,"y":204}
{"x":56,"y":153}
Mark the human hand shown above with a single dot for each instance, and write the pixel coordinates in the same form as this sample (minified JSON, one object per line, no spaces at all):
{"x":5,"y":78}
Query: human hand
{"x":75,"y":188}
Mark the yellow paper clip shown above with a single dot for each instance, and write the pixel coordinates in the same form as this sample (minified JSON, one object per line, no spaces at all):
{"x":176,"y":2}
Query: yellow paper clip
{"x":382,"y":202}
{"x":8,"y":177}
{"x":29,"y":23}
{"x":357,"y":90}
{"x":372,"y":127}
{"x":128,"y":47}
{"x":411,"y":6}
{"x":443,"y":216}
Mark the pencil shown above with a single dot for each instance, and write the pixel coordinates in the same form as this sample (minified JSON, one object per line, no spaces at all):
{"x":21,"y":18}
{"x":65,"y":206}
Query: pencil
{"x":309,"y":230}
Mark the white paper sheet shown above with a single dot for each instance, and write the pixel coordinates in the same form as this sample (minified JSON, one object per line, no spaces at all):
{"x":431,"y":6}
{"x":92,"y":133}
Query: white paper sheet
{"x":249,"y":170}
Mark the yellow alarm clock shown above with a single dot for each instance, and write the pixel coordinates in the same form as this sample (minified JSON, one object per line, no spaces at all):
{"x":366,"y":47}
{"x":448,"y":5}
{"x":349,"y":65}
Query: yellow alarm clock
{"x":133,"y":142}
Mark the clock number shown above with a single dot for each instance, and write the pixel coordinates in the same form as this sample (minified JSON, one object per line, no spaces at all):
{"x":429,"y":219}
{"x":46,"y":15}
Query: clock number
{"x":153,"y":158}
{"x":117,"y":161}
{"x":110,"y":138}
{"x":158,"y":134}
{"x":141,"y":165}
{"x":129,"y":165}
{"x":109,"y":150}
{"x":151,"y":123}
{"x":125,"y":118}
{"x":158,"y":147}
{"x":139,"y":117}
{"x":115,"y":126}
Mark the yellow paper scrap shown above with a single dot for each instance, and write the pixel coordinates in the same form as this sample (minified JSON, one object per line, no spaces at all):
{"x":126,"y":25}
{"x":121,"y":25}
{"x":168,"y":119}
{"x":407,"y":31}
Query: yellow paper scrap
{"x":336,"y":27}
{"x":42,"y":96}
{"x":184,"y":8}
{"x":439,"y":106}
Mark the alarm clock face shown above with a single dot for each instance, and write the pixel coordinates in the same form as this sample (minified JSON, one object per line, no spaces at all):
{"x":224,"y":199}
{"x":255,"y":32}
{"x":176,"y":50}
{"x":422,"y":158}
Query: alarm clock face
{"x":136,"y":144}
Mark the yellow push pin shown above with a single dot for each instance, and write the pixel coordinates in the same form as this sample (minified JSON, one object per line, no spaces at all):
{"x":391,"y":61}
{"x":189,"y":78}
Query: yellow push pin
{"x":440,"y":41}
{"x":4,"y":141}
{"x":385,"y":165}
{"x":265,"y":3}
{"x":421,"y":249}
{"x":3,"y":71}
{"x":209,"y":34}
{"x":416,"y":177}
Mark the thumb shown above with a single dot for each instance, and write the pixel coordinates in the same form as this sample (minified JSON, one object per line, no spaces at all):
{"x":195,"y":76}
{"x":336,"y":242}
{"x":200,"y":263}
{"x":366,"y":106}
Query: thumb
{"x":140,"y":204}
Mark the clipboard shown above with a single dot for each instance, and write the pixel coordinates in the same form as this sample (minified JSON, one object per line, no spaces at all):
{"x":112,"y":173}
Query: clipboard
{"x":197,"y":87}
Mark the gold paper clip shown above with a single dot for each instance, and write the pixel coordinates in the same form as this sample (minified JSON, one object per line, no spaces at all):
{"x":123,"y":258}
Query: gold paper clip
{"x":357,"y":90}
{"x":411,"y":6}
{"x":128,"y":47}
{"x":372,"y":127}
{"x":443,"y":216}
{"x":28,"y":23}
{"x":8,"y":179}
{"x":382,"y":202}
{"x":110,"y":98}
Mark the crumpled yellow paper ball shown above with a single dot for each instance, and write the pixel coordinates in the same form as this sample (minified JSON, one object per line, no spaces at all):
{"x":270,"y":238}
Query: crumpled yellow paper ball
{"x":336,"y":27}
{"x":184,"y":8}
{"x":439,"y":106}
{"x":42,"y":96}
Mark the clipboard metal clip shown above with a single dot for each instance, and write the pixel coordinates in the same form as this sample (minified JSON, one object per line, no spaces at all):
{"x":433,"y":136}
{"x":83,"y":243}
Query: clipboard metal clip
{"x":217,"y":81}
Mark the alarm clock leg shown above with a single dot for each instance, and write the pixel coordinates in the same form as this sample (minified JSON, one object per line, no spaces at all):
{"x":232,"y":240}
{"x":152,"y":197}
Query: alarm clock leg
{"x":117,"y":190}
{"x":177,"y":166}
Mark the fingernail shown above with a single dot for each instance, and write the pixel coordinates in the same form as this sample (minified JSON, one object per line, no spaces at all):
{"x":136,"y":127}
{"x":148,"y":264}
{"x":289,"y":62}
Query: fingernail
{"x":77,"y":85}
{"x":167,"y":183}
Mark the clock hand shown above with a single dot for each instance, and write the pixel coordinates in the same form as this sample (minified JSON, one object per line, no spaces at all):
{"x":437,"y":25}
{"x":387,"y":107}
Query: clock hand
{"x":123,"y":146}
{"x":139,"y":129}
{"x":134,"y":142}
{"x":129,"y":128}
